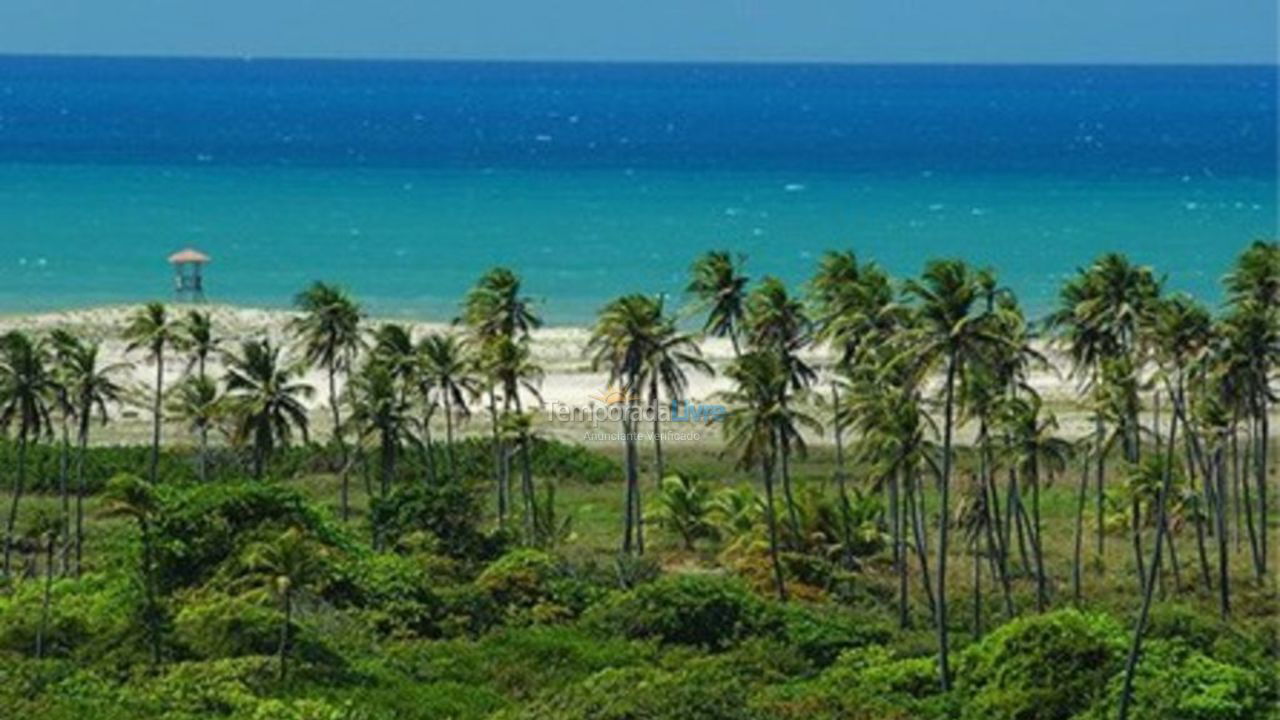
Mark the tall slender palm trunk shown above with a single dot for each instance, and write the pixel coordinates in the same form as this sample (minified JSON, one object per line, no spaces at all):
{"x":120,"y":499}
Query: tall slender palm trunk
{"x":19,"y":483}
{"x":944,"y":522}
{"x":1078,"y":551}
{"x":659,"y":468}
{"x":771,"y":517}
{"x":157,"y":418}
{"x":1135,"y":648}
{"x":499,"y":477}
{"x":48,"y":595}
{"x":338,"y":437}
{"x":82,"y":457}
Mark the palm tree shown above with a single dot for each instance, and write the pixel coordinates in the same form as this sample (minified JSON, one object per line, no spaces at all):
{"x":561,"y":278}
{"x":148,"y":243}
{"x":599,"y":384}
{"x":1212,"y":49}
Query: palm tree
{"x":26,"y":393}
{"x":131,"y":497}
{"x":151,"y":329}
{"x":197,"y":338}
{"x":283,"y":567}
{"x":499,"y":319}
{"x":64,"y":346}
{"x":44,"y":531}
{"x":198,"y":403}
{"x":1036,"y":453}
{"x":621,"y":342}
{"x":950,"y":330}
{"x":751,"y":431}
{"x":895,"y":434}
{"x":719,"y":286}
{"x":671,"y":354}
{"x":378,"y":406}
{"x":778,"y":325}
{"x":448,"y":371}
{"x":266,"y":398}
{"x":684,"y":506}
{"x":330,"y":335}
{"x":1254,"y":289}
{"x":92,"y":386}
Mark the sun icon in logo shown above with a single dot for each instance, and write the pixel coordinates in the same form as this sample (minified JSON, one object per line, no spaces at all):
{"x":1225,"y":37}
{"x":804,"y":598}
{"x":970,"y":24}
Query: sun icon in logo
{"x":611,"y":396}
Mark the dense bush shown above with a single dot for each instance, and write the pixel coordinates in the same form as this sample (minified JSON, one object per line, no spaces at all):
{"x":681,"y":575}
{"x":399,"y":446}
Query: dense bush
{"x":1176,"y":681}
{"x":863,"y":684}
{"x":700,"y":610}
{"x":1040,"y":667}
{"x":200,"y":527}
{"x":450,"y":512}
{"x":694,"y":693}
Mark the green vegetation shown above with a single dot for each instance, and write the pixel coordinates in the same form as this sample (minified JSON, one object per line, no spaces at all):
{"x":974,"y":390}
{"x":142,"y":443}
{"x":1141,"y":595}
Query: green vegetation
{"x":952,"y":553}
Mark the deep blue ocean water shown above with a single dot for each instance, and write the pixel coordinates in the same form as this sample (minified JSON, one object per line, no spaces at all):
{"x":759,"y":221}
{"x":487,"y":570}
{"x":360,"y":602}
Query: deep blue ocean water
{"x":404,"y":180}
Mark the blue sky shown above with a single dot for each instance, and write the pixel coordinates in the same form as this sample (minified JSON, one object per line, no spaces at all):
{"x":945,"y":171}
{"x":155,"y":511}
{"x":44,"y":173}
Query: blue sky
{"x":1145,"y":31}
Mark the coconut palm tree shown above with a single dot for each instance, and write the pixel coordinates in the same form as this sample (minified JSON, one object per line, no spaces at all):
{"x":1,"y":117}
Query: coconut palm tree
{"x":199,"y":405}
{"x":197,"y":338}
{"x":92,"y":387}
{"x":64,"y":346}
{"x":44,"y":530}
{"x":671,"y":355}
{"x":895,"y":442}
{"x":448,"y":372}
{"x":750,"y":428}
{"x":27,"y":390}
{"x":720,"y":288}
{"x":131,"y":497}
{"x":778,"y":324}
{"x":949,"y":329}
{"x":1254,"y":290}
{"x":152,"y":330}
{"x":499,"y":319}
{"x":621,"y":342}
{"x":1038,"y":455}
{"x":283,"y":568}
{"x":331,"y":337}
{"x":378,"y":406}
{"x":266,"y":397}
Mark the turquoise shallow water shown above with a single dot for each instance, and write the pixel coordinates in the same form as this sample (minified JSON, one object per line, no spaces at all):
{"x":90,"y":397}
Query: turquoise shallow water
{"x":409,"y":242}
{"x":404,"y":181}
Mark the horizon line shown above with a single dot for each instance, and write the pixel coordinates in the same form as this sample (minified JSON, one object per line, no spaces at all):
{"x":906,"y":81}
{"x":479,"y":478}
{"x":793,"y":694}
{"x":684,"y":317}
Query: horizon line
{"x":250,"y":58}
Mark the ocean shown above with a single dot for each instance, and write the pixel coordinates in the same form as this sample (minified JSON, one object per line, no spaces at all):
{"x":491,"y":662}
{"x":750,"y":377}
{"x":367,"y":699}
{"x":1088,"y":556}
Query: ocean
{"x":405,"y":180}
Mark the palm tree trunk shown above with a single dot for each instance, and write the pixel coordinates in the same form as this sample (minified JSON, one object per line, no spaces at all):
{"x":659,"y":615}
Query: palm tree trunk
{"x":83,"y":457}
{"x":1078,"y":552}
{"x":48,"y":592}
{"x":448,"y":434}
{"x":20,"y":482}
{"x":204,"y":458}
{"x":1220,"y":514}
{"x":846,"y":524}
{"x":899,"y":547}
{"x":149,"y":580}
{"x":1264,"y":437}
{"x":338,"y":437}
{"x":64,"y":473}
{"x":526,"y":475}
{"x":498,"y":476}
{"x":1100,"y":474}
{"x":660,"y":469}
{"x":944,"y":665}
{"x":1251,"y":453}
{"x":995,"y":544}
{"x":793,"y":518}
{"x":771,"y":516}
{"x":1135,"y":649}
{"x":157,"y":418}
{"x":977,"y":586}
{"x":629,"y":453}
{"x":1037,"y":545}
{"x":915,"y":500}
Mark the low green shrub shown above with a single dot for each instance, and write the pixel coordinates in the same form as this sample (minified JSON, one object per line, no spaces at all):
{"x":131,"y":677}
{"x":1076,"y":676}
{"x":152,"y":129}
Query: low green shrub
{"x":1040,"y":667}
{"x":701,"y":610}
